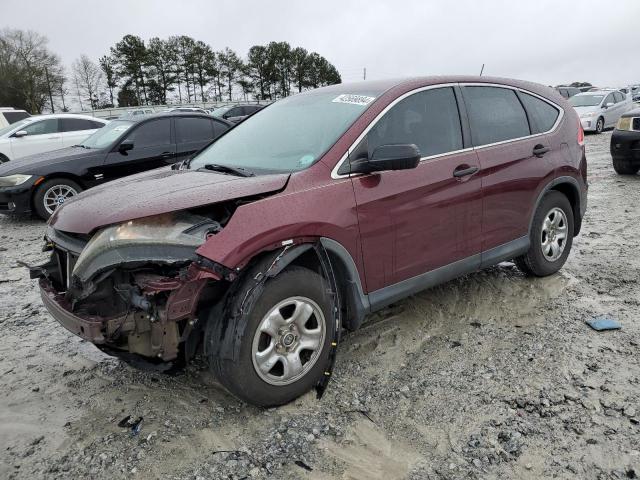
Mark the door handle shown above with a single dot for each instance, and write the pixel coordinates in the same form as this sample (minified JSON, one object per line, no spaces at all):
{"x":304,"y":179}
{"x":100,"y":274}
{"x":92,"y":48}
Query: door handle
{"x":53,"y":138}
{"x":539,"y":150}
{"x":464,"y":170}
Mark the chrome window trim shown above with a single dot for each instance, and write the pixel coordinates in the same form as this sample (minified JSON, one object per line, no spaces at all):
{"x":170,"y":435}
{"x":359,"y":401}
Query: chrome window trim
{"x":334,"y":171}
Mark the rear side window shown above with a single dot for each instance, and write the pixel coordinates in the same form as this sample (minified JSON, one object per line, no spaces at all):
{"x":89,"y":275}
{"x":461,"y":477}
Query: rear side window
{"x":542,"y":114}
{"x":42,"y":127}
{"x":618,"y":96}
{"x":152,"y":134}
{"x":13,"y":117}
{"x":193,"y":129}
{"x":75,"y":124}
{"x":428,"y":119}
{"x":495,"y":115}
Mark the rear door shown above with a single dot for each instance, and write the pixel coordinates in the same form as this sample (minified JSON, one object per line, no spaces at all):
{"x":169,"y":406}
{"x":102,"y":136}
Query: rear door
{"x":505,"y":137}
{"x":75,"y":130}
{"x":414,"y":221}
{"x":153,"y":147}
{"x":192,"y":134}
{"x":610,"y":113}
{"x":42,"y":136}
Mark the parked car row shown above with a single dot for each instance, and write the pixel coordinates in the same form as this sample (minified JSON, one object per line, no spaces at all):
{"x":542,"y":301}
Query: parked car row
{"x":312,"y":213}
{"x":123,"y":147}
{"x":600,"y":109}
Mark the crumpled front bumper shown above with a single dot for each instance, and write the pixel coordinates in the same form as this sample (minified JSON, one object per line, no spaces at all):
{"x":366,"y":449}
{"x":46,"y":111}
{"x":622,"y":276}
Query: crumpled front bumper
{"x":91,"y":329}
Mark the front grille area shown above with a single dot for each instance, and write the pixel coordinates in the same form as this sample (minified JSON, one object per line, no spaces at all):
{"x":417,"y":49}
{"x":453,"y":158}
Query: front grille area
{"x":635,"y":124}
{"x":4,"y":206}
{"x":66,"y":261}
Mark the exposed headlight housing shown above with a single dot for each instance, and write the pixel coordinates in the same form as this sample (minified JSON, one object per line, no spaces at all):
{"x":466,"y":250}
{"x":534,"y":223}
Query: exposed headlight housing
{"x":14,"y":180}
{"x":624,"y":123}
{"x":165,"y":239}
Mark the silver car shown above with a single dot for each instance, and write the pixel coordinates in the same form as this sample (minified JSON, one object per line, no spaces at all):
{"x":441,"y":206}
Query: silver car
{"x":600,"y":109}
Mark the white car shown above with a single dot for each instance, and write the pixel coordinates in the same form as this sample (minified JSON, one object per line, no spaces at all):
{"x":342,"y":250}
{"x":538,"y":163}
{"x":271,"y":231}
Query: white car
{"x":44,"y":133}
{"x":600,"y":109}
{"x":10,"y":115}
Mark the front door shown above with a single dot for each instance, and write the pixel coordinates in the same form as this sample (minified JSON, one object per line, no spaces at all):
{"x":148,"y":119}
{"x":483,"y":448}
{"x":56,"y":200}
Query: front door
{"x":42,"y":136}
{"x":153,"y":147}
{"x":415,"y":221}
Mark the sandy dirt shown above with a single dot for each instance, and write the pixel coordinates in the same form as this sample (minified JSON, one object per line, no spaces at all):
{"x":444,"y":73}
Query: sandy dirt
{"x":493,"y":375}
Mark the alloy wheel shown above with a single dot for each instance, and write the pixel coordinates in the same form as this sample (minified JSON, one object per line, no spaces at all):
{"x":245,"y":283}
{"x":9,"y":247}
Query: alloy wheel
{"x":288,"y":341}
{"x":56,"y":196}
{"x":553,"y":237}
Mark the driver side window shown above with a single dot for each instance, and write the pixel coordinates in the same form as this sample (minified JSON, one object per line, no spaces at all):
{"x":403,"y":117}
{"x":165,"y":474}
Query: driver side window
{"x":609,"y":99}
{"x":428,"y":119}
{"x":152,"y":134}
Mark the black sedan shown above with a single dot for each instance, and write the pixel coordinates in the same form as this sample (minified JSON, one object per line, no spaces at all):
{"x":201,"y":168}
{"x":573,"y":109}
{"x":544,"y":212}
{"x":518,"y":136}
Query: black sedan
{"x":625,"y":144}
{"x":123,"y":147}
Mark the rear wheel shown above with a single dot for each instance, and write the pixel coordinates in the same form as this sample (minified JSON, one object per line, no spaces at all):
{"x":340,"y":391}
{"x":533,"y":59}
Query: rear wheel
{"x":600,"y":125}
{"x":281,"y":340}
{"x":624,"y":167}
{"x":53,"y":193}
{"x":551,"y":236}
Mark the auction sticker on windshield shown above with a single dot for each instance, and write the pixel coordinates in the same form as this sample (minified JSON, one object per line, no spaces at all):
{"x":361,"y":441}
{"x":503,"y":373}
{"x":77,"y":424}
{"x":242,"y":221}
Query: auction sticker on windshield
{"x":353,"y":99}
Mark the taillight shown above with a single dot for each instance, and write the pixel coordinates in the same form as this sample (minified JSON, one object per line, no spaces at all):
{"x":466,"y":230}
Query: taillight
{"x":580,"y":134}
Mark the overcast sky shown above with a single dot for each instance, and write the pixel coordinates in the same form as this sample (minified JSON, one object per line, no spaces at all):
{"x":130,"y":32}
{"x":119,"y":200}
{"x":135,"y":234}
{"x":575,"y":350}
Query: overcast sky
{"x":547,"y":41}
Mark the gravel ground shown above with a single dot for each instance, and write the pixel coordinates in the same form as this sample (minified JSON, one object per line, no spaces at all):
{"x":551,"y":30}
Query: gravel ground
{"x":493,"y":375}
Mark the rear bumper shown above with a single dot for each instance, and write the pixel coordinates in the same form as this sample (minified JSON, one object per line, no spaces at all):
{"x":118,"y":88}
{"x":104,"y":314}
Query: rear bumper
{"x":90,"y":329}
{"x":15,"y":200}
{"x":625,"y":145}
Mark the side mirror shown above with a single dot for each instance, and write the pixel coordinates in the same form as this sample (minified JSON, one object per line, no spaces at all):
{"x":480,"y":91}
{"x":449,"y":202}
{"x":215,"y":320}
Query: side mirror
{"x":608,"y":104}
{"x":389,"y":157}
{"x":21,"y":133}
{"x":125,"y":146}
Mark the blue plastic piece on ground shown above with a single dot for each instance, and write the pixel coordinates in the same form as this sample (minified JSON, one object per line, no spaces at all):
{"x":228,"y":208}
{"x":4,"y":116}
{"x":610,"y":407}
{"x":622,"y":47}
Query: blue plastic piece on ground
{"x":603,"y":323}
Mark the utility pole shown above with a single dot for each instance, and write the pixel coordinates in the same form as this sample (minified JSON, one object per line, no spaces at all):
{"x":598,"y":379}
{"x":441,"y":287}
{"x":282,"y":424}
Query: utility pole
{"x":364,"y":74}
{"x":46,"y":74}
{"x":482,"y":69}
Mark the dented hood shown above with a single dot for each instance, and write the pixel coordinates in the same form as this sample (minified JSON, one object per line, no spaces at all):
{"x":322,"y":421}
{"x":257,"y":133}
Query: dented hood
{"x":156,"y":192}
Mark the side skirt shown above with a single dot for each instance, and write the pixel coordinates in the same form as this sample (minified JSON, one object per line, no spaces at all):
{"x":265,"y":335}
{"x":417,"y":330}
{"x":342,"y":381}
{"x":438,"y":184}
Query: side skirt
{"x":388,"y":295}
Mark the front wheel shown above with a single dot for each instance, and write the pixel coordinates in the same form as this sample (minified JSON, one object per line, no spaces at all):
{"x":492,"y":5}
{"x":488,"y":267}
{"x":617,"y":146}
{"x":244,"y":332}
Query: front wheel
{"x":600,"y":125}
{"x":551,"y":236}
{"x":53,"y":193}
{"x":281,"y":341}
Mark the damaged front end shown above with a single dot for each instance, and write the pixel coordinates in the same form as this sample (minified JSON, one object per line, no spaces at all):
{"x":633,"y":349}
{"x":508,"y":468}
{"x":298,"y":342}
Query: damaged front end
{"x":134,"y":288}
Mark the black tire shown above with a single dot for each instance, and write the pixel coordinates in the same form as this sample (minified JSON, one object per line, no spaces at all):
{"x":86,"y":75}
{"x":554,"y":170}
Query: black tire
{"x":624,"y":167}
{"x":3,"y":158}
{"x":43,"y":188}
{"x":231,"y":361}
{"x":600,"y":125}
{"x":535,"y":262}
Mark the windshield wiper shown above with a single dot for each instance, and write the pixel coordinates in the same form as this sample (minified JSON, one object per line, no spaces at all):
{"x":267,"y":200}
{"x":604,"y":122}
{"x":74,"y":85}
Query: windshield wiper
{"x":238,"y":171}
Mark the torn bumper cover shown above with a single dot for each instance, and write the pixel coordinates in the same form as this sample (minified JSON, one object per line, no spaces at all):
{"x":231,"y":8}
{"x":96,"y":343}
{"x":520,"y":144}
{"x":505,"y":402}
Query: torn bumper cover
{"x":133,"y":287}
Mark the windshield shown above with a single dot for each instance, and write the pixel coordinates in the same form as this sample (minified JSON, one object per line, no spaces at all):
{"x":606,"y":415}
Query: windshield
{"x":107,"y":134}
{"x":586,"y":100}
{"x":15,"y":126}
{"x":287,"y":136}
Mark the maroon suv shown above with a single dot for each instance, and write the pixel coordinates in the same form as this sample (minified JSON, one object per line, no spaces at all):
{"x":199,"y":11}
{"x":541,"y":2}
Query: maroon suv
{"x":316,"y":211}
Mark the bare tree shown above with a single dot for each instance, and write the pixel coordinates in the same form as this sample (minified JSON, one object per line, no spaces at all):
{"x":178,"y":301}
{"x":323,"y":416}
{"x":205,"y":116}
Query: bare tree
{"x":89,"y":78}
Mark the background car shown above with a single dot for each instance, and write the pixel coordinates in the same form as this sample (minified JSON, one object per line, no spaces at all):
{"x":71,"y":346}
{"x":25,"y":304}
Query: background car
{"x":189,"y":109}
{"x":11,"y":115}
{"x":600,"y":109}
{"x":44,"y":133}
{"x":236,"y":113}
{"x":568,"y":92}
{"x":123,"y":147}
{"x":625,"y":144}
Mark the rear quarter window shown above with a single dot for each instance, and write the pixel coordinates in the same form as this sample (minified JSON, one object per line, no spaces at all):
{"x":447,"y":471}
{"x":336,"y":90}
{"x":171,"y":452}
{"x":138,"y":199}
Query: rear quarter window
{"x":543,"y":115}
{"x":495,"y":115}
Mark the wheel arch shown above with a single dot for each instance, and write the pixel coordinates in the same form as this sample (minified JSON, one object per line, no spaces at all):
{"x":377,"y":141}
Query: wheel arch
{"x":52,"y":176}
{"x":570,"y":188}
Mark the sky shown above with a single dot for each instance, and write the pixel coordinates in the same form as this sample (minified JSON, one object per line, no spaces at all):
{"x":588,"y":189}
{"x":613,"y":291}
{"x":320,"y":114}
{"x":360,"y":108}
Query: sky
{"x":546,"y":41}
